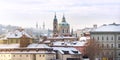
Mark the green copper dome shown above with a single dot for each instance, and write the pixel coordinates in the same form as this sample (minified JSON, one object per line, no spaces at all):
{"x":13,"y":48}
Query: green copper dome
{"x":64,"y":23}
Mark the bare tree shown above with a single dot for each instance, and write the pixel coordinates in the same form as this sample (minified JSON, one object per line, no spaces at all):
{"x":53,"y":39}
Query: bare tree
{"x":92,"y":49}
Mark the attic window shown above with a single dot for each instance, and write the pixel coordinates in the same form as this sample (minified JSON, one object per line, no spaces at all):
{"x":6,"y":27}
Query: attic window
{"x":66,"y":52}
{"x":74,"y":43}
{"x":62,"y":43}
{"x":75,"y":52}
{"x":16,"y":35}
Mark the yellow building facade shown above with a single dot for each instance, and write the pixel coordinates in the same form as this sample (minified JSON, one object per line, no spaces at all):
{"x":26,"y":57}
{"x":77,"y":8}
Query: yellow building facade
{"x":24,"y":56}
{"x":14,"y":37}
{"x":31,"y":52}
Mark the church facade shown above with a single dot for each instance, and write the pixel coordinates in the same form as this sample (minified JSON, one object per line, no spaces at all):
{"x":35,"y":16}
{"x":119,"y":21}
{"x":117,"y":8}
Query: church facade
{"x":61,"y":29}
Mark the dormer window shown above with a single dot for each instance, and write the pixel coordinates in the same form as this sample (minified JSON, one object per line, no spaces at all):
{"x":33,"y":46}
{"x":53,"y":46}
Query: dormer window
{"x":75,"y":52}
{"x":62,"y":43}
{"x":65,"y":52}
{"x":16,"y":35}
{"x":74,"y":43}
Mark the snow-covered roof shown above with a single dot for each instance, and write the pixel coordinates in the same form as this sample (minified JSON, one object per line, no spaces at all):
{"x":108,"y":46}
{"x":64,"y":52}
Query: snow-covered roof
{"x":17,"y":34}
{"x":6,"y":46}
{"x":27,"y":52}
{"x":38,"y":46}
{"x":3,"y":38}
{"x":83,"y":38}
{"x":62,"y":37}
{"x":108,"y":28}
{"x":69,"y":49}
{"x":48,"y":41}
{"x":74,"y":43}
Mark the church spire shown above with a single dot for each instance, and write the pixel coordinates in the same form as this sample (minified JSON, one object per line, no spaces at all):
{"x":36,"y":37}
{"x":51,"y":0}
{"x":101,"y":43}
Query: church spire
{"x":43,"y":25}
{"x":55,"y":18}
{"x":63,"y":19}
{"x":36,"y":25}
{"x":55,"y":26}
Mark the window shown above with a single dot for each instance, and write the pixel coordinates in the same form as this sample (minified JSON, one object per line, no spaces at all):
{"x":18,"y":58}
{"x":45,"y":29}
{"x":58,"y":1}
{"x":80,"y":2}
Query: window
{"x":111,"y":45}
{"x":16,"y":41}
{"x":13,"y":55}
{"x":107,"y":38}
{"x":43,"y":55}
{"x":26,"y":55}
{"x":102,"y":38}
{"x":40,"y":55}
{"x":75,"y":52}
{"x":67,"y":30}
{"x":98,"y":45}
{"x":54,"y":27}
{"x":107,"y":45}
{"x":102,"y":45}
{"x":93,"y":38}
{"x":119,"y":38}
{"x":11,"y":41}
{"x":98,"y":38}
{"x":63,"y":30}
{"x":111,"y":38}
{"x":118,"y":45}
{"x":20,"y":55}
{"x":119,"y":54}
{"x":65,"y":52}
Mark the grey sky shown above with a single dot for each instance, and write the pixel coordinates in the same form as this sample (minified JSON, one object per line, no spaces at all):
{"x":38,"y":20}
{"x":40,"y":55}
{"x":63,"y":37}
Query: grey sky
{"x":78,"y":13}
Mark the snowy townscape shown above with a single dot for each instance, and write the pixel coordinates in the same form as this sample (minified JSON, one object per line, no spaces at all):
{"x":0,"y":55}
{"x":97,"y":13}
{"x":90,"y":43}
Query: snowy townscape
{"x":61,"y":43}
{"x":59,"y":29}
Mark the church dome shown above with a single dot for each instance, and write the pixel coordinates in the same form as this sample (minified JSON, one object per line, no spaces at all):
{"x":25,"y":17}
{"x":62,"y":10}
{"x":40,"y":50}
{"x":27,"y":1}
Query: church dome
{"x":64,"y":23}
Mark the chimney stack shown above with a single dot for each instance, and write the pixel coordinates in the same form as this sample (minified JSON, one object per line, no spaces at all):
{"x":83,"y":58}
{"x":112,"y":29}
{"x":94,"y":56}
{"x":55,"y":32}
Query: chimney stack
{"x":24,"y":41}
{"x":95,"y":26}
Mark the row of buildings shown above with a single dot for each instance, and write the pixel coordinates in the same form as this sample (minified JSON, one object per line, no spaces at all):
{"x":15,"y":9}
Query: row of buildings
{"x":108,"y":37}
{"x":19,"y":45}
{"x":62,"y":45}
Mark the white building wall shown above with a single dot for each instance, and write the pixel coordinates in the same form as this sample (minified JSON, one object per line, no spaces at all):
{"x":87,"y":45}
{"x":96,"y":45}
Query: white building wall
{"x":112,"y":41}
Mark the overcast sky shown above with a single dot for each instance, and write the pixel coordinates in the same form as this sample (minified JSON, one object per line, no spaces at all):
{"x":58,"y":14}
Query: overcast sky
{"x":78,"y":13}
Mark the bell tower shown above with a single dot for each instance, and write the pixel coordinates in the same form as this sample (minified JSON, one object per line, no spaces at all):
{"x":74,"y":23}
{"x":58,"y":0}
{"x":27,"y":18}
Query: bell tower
{"x":55,"y":26}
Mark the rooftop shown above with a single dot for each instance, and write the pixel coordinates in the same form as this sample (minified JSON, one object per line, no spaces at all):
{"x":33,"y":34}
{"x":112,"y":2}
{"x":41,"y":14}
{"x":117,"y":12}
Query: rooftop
{"x":69,"y":50}
{"x":108,"y":28}
{"x":11,"y":46}
{"x":17,"y":34}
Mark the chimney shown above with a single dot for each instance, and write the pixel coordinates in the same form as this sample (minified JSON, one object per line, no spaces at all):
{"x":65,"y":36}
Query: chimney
{"x":24,"y":41}
{"x":95,"y":26}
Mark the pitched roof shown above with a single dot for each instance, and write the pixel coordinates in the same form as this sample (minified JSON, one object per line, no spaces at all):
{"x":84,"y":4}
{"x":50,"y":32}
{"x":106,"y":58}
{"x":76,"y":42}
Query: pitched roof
{"x":108,"y":28}
{"x":70,"y":50}
{"x":9,"y":46}
{"x":17,"y":34}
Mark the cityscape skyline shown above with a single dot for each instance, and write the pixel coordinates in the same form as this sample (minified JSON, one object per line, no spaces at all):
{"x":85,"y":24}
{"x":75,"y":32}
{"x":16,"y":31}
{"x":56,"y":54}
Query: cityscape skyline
{"x":78,"y":13}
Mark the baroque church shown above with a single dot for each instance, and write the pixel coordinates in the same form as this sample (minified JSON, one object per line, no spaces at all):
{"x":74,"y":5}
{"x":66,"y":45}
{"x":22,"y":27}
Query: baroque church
{"x":61,"y":29}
